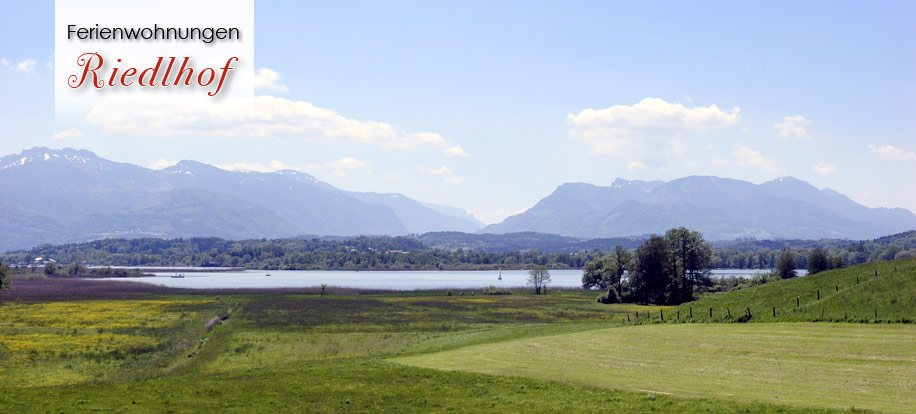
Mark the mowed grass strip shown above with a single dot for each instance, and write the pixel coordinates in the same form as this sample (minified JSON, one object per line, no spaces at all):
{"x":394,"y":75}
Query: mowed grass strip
{"x":799,"y":364}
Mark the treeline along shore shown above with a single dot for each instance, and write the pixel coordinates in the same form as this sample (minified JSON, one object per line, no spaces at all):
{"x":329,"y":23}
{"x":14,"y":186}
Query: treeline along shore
{"x":437,"y":251}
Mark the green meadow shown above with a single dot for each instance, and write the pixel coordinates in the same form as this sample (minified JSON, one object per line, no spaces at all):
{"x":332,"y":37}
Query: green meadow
{"x":430,"y":352}
{"x":873,"y":292}
{"x":823,"y":365}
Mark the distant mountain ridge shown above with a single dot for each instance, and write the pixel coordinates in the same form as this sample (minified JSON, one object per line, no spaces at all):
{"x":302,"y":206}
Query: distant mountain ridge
{"x":69,"y":195}
{"x":720,"y":208}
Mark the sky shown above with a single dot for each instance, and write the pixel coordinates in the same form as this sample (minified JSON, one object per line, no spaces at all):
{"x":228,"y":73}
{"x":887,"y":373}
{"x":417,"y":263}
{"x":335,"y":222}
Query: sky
{"x":490,"y":106}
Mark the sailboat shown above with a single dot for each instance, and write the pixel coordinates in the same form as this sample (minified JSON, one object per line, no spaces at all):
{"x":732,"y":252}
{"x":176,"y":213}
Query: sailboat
{"x":500,"y":274}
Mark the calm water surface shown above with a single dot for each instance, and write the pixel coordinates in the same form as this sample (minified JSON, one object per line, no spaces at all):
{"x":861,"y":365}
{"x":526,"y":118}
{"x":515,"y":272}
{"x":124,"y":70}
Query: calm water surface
{"x":394,"y":280}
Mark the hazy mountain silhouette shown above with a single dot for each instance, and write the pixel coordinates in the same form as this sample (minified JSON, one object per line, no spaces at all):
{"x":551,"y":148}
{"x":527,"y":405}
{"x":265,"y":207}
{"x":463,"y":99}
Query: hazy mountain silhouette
{"x":720,"y":208}
{"x":68,"y":195}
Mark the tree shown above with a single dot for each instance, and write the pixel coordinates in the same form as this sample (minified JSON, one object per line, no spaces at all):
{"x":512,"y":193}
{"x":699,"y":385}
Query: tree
{"x":817,"y":262}
{"x":785,"y":263}
{"x":690,"y":261}
{"x":539,"y":278}
{"x":5,"y":282}
{"x":50,"y":268}
{"x":623,"y":262}
{"x":652,"y":276}
{"x":76,"y":269}
{"x":607,"y":272}
{"x":839,"y":262}
{"x":593,"y":274}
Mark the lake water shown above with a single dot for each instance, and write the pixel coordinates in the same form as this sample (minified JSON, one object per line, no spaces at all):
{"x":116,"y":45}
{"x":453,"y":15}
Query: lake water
{"x":393,"y":280}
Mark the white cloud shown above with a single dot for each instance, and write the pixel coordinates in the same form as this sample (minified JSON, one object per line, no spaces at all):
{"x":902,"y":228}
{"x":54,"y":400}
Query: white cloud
{"x":656,"y":113}
{"x":267,"y":79}
{"x":273,"y":165}
{"x":719,"y":161}
{"x":890,"y":152}
{"x":650,"y":129}
{"x":71,"y":133}
{"x":444,"y":171}
{"x":162,"y":163}
{"x":26,"y":66}
{"x":636,"y":166}
{"x":792,"y":127}
{"x":4,"y":62}
{"x":456,"y":151}
{"x":824,"y":168}
{"x":745,"y":156}
{"x":50,"y":66}
{"x":393,"y":177}
{"x":346,"y":163}
{"x":339,"y":168}
{"x":267,"y":117}
{"x":435,"y":171}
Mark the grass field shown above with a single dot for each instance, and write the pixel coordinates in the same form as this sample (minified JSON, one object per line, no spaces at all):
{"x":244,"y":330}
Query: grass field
{"x":285,"y":352}
{"x":801,"y":364}
{"x":854,"y":294}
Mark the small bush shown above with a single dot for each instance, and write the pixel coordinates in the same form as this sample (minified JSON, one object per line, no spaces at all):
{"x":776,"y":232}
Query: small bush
{"x":493,"y":290}
{"x":759,"y":279}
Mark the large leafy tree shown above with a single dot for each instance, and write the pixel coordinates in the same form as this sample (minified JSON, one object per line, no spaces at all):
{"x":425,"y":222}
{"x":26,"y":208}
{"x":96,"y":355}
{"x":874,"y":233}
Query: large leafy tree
{"x":607,"y":272}
{"x":593,"y":273}
{"x":651,"y":278}
{"x":691,"y":258}
{"x":622,"y":263}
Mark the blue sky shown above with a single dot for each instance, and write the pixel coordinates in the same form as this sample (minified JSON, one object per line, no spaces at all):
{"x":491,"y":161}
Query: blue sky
{"x":491,"y":105}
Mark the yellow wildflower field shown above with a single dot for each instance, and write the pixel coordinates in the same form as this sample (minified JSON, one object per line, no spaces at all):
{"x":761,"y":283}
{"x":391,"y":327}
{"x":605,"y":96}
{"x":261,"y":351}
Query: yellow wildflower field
{"x":56,"y":330}
{"x":107,"y":315}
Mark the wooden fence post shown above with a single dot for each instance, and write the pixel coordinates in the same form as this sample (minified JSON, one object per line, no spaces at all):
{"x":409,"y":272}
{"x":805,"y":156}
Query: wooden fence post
{"x":857,"y":280}
{"x":876,"y":313}
{"x":729,"y":311}
{"x":661,"y":314}
{"x":837,"y":287}
{"x":710,"y":312}
{"x":818,"y":294}
{"x":678,"y":314}
{"x":691,"y":312}
{"x":749,"y":312}
{"x":796,"y":301}
{"x":774,"y":311}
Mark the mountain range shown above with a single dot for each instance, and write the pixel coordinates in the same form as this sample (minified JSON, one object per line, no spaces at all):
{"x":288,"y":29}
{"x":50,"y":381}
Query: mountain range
{"x":69,"y":195}
{"x":720,"y":208}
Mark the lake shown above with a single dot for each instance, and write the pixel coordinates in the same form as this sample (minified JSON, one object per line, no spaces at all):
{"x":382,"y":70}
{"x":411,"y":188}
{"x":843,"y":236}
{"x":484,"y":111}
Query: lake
{"x":393,"y":279}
